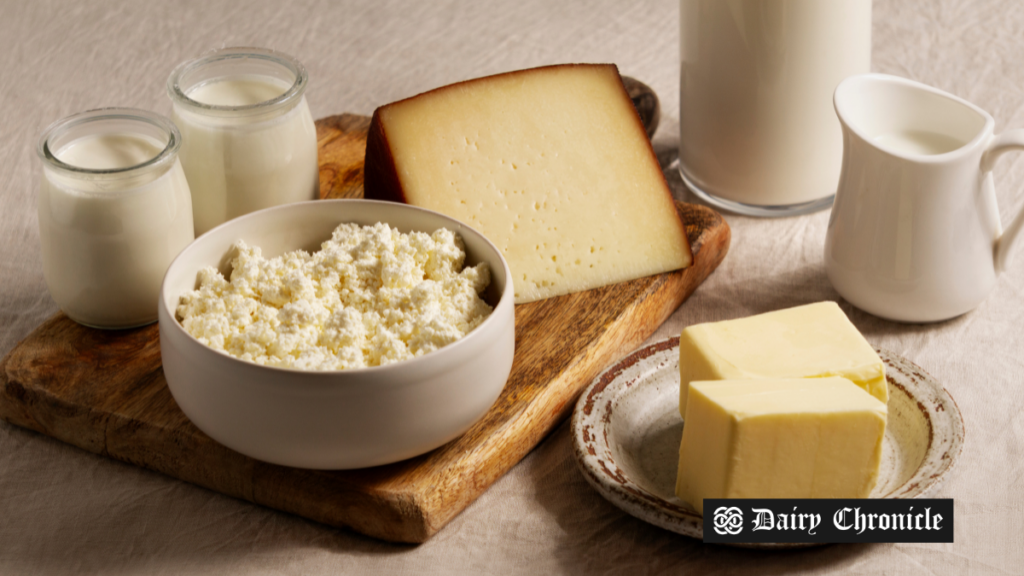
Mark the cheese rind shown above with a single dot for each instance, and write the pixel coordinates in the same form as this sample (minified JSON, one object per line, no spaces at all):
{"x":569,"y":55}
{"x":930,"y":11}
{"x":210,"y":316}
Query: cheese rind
{"x":811,"y":341}
{"x":551,"y":164}
{"x":779,"y":438}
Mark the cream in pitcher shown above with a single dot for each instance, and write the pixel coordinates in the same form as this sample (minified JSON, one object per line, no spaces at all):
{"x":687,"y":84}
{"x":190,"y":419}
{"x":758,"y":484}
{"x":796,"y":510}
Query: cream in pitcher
{"x":915,"y":233}
{"x":757,"y":131}
{"x":249,"y":141}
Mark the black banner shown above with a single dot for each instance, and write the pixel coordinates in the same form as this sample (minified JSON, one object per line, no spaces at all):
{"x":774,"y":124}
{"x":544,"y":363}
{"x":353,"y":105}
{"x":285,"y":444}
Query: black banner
{"x":790,"y":520}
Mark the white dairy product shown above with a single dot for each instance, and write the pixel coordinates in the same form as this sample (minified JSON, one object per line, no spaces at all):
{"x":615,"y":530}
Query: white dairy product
{"x":757,"y":124}
{"x":918,"y":142}
{"x":238,"y":91}
{"x":239,"y":163}
{"x":110,"y":151}
{"x":371,"y":296}
{"x":107,"y":241}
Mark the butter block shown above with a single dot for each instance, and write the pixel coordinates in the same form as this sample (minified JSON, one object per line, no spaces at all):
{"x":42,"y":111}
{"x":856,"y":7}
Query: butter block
{"x":551,"y":164}
{"x":811,"y":341}
{"x":779,"y":438}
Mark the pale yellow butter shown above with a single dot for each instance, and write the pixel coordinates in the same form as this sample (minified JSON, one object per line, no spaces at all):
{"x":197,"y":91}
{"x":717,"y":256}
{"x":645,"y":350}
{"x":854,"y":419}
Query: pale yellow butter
{"x":811,"y":341}
{"x":779,"y":438}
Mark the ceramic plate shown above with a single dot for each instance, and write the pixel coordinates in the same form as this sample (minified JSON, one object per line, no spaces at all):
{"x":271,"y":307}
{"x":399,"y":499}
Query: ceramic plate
{"x":626,"y":432}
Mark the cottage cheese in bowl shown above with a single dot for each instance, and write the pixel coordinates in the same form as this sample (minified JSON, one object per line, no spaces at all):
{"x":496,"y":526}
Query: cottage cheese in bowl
{"x":370,"y":296}
{"x":359,"y":333}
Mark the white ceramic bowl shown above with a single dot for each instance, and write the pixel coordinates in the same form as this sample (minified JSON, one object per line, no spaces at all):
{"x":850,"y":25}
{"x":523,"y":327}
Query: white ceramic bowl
{"x":338,"y":419}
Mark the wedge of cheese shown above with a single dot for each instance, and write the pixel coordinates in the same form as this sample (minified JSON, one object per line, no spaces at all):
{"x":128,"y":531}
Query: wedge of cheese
{"x":551,"y":164}
{"x":786,"y":438}
{"x":812,"y":341}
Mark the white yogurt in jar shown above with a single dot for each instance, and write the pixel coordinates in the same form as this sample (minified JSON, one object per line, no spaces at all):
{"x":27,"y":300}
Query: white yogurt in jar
{"x":110,"y":151}
{"x":114,"y":210}
{"x":248,"y":138}
{"x":240,"y":91}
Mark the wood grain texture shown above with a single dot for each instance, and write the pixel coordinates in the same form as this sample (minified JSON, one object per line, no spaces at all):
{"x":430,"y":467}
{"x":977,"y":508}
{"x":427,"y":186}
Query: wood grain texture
{"x":104,"y":391}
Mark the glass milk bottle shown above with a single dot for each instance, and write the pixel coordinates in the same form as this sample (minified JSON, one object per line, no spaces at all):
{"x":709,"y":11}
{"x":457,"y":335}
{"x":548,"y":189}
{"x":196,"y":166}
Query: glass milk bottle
{"x":757,"y":131}
{"x":114,"y":210}
{"x":248,"y":139}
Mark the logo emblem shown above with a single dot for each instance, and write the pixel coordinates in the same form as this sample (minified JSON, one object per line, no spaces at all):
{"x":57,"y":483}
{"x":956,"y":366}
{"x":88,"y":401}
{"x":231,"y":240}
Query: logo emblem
{"x":728,"y":520}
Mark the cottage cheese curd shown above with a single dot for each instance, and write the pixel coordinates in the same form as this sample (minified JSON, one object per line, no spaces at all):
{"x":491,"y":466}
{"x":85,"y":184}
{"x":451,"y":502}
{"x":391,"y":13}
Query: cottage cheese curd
{"x":371,"y":296}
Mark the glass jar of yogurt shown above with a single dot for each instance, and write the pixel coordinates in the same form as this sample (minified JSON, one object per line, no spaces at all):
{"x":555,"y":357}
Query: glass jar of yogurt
{"x":114,"y":210}
{"x":248,"y":139}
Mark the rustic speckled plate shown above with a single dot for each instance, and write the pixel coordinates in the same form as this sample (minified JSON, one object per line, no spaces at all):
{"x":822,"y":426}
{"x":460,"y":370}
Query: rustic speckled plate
{"x":626,"y":432}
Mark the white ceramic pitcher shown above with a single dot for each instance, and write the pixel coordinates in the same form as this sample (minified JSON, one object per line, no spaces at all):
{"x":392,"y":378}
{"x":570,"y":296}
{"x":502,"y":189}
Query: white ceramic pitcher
{"x":915,"y":234}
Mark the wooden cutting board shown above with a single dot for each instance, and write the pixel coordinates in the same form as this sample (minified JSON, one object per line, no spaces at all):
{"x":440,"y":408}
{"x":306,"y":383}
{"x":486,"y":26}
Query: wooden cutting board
{"x":104,"y":391}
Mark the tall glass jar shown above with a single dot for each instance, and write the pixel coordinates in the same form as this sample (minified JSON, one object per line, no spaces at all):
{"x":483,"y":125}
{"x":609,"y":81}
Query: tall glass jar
{"x":248,"y":139}
{"x":757,"y":131}
{"x":114,"y":210}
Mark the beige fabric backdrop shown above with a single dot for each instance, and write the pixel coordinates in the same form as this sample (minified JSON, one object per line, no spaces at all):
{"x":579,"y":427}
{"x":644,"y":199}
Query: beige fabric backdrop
{"x":65,"y":511}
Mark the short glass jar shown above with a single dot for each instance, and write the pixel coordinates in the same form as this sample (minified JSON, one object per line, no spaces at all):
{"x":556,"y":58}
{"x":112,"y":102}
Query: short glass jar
{"x":114,"y":210}
{"x":248,"y":138}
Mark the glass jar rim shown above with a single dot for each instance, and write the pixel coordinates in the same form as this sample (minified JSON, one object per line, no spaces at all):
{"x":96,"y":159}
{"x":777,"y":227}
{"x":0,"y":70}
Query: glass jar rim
{"x":168,"y":154}
{"x":293,"y":94}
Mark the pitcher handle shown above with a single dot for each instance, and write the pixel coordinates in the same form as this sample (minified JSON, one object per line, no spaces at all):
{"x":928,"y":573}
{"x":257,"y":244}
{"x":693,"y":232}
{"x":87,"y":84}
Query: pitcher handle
{"x":1005,"y":142}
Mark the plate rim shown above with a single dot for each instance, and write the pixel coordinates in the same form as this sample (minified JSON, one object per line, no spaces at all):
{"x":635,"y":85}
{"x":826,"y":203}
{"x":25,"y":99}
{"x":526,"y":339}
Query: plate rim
{"x":644,"y":505}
